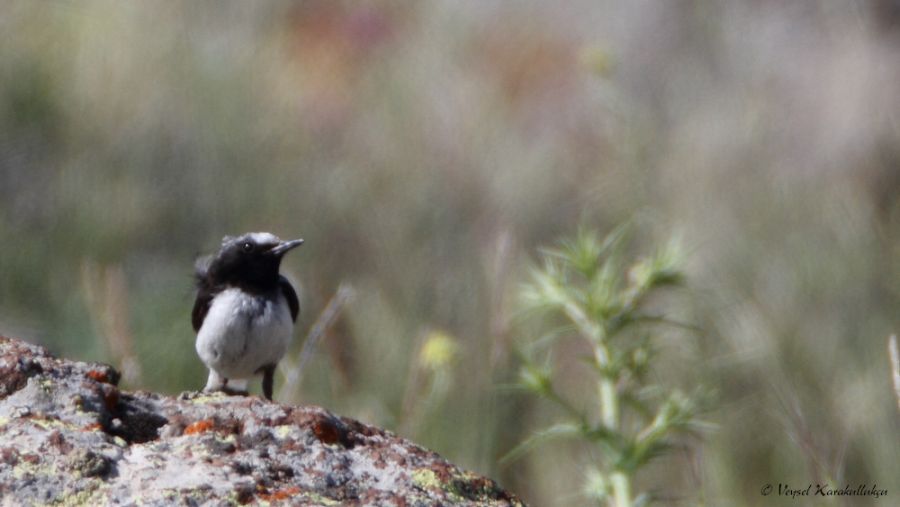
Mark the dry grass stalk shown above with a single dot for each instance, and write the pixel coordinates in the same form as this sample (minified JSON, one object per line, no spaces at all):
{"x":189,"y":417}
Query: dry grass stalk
{"x":106,"y":292}
{"x":894,"y":354}
{"x":294,"y":369}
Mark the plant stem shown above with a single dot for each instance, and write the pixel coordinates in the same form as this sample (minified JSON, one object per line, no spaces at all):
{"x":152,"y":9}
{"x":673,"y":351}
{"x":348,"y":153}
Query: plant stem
{"x":621,"y":488}
{"x":609,"y":404}
{"x":609,"y":414}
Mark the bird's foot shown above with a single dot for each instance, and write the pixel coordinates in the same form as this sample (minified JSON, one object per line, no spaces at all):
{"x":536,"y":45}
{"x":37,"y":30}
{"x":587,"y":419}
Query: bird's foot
{"x":234,"y":392}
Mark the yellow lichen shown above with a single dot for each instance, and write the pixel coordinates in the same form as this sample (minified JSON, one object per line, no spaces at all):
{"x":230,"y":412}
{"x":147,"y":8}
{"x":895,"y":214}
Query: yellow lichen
{"x":47,"y":424}
{"x":206,"y":398}
{"x":426,"y":478}
{"x":91,"y":495}
{"x":319,"y":499}
{"x":283,"y":431}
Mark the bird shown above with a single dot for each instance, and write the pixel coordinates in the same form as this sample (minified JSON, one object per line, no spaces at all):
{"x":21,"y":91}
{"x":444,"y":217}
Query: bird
{"x":244,"y":311}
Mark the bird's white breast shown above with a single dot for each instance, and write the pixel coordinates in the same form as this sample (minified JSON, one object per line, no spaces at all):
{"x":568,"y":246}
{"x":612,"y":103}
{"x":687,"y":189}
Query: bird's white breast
{"x":243,"y":332}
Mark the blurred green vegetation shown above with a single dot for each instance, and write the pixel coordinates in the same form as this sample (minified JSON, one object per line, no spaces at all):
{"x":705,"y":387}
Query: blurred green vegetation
{"x":425,"y":152}
{"x":585,"y":290}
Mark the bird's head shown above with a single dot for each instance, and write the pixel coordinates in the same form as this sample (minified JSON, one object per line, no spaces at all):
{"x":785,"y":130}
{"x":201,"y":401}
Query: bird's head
{"x":250,"y":260}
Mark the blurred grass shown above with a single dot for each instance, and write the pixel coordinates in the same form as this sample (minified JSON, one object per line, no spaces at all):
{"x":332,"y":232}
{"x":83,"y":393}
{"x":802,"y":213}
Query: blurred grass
{"x":426,"y":152}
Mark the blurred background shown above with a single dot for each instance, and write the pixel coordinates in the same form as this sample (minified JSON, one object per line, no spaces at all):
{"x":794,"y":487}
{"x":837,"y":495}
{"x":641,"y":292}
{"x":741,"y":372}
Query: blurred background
{"x":425,"y":151}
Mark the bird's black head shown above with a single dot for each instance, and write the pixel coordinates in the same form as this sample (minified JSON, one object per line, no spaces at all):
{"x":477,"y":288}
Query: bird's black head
{"x":250,"y":261}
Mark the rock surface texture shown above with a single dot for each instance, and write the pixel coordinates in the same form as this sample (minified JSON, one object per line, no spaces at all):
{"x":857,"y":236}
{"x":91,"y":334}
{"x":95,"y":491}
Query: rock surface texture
{"x":69,"y":436}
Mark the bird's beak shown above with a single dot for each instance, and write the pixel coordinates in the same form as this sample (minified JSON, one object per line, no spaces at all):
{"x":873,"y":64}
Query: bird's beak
{"x":285,"y":246}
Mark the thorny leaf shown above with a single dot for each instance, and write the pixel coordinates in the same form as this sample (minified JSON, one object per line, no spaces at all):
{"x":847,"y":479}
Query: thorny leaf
{"x":557,"y":431}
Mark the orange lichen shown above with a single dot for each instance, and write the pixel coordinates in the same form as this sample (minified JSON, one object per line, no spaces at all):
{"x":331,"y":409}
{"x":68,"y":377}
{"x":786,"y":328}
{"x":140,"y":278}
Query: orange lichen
{"x":98,"y":375}
{"x":200,"y":426}
{"x":281,"y":494}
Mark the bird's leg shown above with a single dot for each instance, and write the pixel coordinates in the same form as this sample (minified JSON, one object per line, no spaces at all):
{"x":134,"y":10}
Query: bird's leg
{"x":268,"y":382}
{"x":215,"y":382}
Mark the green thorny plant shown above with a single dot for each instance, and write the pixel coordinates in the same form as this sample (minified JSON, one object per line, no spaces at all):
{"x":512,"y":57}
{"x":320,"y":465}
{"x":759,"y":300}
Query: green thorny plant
{"x":585,"y":283}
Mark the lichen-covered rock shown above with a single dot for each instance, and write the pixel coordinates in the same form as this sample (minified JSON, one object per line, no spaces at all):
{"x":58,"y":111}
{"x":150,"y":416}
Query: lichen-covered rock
{"x":69,"y":436}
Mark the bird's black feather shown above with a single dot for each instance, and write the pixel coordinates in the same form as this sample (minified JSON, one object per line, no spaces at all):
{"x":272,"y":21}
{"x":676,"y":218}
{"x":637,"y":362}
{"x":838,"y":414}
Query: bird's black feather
{"x":205,"y":292}
{"x":290,"y":295}
{"x":201,"y":307}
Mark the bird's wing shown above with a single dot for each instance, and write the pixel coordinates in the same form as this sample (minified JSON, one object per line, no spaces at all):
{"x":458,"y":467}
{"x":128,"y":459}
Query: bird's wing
{"x":201,"y":307}
{"x":204,"y":294}
{"x":288,"y":290}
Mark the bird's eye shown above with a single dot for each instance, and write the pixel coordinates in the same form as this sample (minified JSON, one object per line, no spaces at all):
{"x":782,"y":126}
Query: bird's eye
{"x":248,"y":247}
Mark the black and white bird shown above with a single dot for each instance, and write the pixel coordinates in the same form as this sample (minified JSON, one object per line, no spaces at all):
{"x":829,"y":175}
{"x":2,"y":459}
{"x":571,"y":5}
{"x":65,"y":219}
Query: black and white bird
{"x":245,"y":311}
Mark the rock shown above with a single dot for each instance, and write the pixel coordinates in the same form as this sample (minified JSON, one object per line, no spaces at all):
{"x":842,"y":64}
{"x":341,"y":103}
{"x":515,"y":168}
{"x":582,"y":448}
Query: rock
{"x":69,"y":436}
